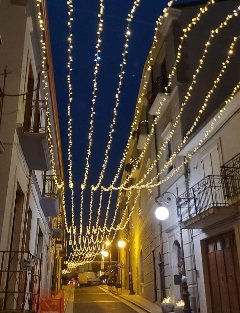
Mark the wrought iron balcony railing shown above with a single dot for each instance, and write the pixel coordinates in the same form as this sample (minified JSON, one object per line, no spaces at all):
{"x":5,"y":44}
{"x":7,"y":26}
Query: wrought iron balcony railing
{"x":49,"y":186}
{"x":35,"y":117}
{"x":231,"y":175}
{"x":20,"y":274}
{"x":206,"y":194}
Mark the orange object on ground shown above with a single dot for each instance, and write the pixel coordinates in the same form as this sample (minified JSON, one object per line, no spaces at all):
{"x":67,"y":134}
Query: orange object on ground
{"x":53,"y":304}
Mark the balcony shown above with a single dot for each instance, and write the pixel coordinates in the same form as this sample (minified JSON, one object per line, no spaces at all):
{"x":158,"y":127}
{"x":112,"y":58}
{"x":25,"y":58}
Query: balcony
{"x":33,"y":138}
{"x":205,"y":204}
{"x":49,"y":200}
{"x":133,"y":168}
{"x":231,"y":175}
{"x":142,"y":134}
{"x":19,"y":281}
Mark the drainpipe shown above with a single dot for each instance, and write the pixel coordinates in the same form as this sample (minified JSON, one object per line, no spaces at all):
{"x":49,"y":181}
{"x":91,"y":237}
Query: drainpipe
{"x":193,"y":300}
{"x":161,"y":265}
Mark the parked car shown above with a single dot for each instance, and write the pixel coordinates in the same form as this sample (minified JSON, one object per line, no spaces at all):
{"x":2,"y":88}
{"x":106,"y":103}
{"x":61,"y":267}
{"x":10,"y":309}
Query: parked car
{"x":88,"y":279}
{"x":72,"y":282}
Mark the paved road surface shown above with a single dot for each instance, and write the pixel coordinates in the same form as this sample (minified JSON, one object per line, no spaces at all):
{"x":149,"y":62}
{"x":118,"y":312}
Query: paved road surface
{"x":95,"y":300}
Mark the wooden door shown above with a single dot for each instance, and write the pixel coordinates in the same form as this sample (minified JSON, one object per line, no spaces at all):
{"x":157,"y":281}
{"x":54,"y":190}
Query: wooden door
{"x":224,"y":275}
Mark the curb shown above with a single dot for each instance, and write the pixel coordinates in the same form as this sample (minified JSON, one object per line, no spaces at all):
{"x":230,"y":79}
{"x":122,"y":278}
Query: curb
{"x":138,"y":305}
{"x":132,"y":302}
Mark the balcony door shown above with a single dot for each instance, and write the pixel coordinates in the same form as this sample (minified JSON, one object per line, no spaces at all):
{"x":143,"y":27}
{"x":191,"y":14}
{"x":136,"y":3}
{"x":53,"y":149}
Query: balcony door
{"x":223,"y":274}
{"x":210,"y":162}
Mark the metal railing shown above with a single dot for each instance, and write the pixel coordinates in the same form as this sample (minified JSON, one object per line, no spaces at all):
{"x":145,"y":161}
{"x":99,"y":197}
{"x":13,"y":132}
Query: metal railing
{"x":20,"y":274}
{"x":49,"y":186}
{"x":206,"y":194}
{"x":231,"y":175}
{"x":35,"y":116}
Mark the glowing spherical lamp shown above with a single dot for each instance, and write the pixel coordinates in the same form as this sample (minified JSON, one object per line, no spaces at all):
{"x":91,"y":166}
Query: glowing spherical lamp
{"x":121,"y":244}
{"x":161,"y":213}
{"x":104,"y":253}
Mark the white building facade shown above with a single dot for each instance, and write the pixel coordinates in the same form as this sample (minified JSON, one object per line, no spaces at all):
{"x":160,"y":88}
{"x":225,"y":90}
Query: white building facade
{"x":194,"y":254}
{"x":31,"y":171}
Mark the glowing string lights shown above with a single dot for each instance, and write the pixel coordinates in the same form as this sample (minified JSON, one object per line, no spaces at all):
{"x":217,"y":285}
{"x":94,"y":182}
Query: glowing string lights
{"x":194,"y":22}
{"x":207,"y":133}
{"x":45,"y":82}
{"x":159,"y":22}
{"x":118,"y":93}
{"x":187,"y":96}
{"x":69,"y":132}
{"x":91,"y":126}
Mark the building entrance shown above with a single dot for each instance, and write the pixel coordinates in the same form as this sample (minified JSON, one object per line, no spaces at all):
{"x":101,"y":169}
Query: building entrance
{"x":223,"y":273}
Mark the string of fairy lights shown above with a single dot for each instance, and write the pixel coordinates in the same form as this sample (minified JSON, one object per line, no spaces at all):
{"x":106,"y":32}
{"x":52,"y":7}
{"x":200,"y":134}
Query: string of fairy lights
{"x":87,"y":247}
{"x":70,"y":100}
{"x":159,"y":22}
{"x":189,"y":27}
{"x":188,"y":95}
{"x":92,"y":115}
{"x":230,"y":53}
{"x":77,"y":261}
{"x":121,"y":75}
{"x":186,"y":30}
{"x":49,"y":126}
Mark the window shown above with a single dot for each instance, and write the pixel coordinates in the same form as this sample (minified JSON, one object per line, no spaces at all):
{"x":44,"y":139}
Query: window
{"x":28,"y":104}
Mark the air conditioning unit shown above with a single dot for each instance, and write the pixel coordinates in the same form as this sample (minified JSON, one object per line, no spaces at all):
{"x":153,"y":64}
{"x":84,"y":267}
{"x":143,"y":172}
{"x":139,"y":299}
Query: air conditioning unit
{"x":19,"y":2}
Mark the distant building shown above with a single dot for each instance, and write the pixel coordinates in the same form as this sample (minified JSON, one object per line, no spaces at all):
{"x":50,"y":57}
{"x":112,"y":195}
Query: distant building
{"x":31,"y":169}
{"x":197,"y":248}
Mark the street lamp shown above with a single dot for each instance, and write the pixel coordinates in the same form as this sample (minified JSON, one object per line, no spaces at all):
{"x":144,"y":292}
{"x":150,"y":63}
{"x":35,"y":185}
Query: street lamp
{"x":108,"y":247}
{"x":121,"y":244}
{"x":162,"y":213}
{"x":104,"y":254}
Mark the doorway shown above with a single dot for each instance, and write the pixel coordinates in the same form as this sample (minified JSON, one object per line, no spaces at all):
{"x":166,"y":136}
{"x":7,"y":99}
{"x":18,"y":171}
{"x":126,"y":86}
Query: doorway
{"x":223,"y":273}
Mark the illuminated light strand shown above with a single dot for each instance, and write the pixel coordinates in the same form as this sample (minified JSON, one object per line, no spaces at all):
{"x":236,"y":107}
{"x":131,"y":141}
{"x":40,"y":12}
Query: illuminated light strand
{"x":94,"y":93}
{"x":230,"y":51}
{"x":155,"y":37}
{"x":220,"y":113}
{"x":118,"y":92}
{"x":117,"y":103}
{"x":149,"y":62}
{"x":90,"y":212}
{"x":97,"y":229}
{"x":235,"y":90}
{"x":91,"y":124}
{"x":180,"y":47}
{"x":69,"y":113}
{"x":59,"y":184}
{"x":197,"y":119}
{"x":144,"y":83}
{"x":117,"y":97}
{"x":195,"y":149}
{"x":188,"y":95}
{"x":186,"y":30}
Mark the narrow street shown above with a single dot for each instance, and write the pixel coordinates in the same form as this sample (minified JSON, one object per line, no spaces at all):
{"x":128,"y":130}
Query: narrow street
{"x":96,"y":300}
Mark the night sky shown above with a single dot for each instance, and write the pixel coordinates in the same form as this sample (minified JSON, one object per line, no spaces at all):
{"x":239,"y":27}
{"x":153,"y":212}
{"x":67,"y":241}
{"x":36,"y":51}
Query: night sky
{"x":84,"y":41}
